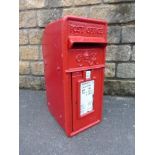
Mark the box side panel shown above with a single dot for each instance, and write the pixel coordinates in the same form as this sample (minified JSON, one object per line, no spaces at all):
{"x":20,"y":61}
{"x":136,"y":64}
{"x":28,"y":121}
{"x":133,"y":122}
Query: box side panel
{"x":53,"y":65}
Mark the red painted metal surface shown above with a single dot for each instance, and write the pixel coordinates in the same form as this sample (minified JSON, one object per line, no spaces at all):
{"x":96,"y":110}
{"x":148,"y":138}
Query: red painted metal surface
{"x":72,"y":48}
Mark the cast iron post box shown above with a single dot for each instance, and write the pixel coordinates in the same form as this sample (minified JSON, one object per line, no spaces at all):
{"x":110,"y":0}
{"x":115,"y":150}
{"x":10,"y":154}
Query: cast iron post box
{"x":74,"y":60}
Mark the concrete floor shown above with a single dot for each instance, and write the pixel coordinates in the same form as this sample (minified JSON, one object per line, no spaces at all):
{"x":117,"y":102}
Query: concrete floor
{"x":41,"y":135}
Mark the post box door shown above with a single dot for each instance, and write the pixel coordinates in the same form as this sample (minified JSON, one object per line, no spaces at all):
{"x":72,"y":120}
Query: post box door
{"x":87,"y":92}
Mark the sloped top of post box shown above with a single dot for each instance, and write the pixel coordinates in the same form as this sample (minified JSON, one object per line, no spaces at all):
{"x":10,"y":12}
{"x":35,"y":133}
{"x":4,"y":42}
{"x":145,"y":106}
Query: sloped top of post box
{"x":84,"y":19}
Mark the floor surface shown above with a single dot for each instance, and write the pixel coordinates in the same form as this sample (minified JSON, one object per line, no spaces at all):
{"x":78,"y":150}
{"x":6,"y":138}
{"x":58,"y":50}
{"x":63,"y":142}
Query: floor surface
{"x":41,"y":135}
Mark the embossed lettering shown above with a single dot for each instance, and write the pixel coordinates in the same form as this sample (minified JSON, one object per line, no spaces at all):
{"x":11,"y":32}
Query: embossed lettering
{"x":75,"y":29}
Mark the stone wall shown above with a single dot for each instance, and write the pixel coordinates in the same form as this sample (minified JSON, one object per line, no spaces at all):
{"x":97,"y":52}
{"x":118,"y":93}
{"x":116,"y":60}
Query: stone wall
{"x":120,"y":60}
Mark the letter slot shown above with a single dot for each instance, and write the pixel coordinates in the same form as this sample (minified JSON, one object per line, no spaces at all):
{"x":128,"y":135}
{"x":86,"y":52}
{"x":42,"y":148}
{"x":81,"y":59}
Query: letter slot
{"x":78,"y":41}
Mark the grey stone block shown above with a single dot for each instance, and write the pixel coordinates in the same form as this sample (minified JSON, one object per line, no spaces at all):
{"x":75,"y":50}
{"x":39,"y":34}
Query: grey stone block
{"x":126,"y":70}
{"x":114,"y":34}
{"x":133,"y":53}
{"x":32,"y":82}
{"x":60,"y":3}
{"x":54,"y":3}
{"x":27,"y":19}
{"x":110,"y":70}
{"x":46,"y":16}
{"x":114,"y":13}
{"x":128,"y":34}
{"x":119,"y":87}
{"x":80,"y":11}
{"x":116,"y":1}
{"x":32,"y":4}
{"x":118,"y":53}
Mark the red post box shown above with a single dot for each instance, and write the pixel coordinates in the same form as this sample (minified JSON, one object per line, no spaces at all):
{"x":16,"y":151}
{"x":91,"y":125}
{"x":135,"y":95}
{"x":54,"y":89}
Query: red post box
{"x":74,"y":60}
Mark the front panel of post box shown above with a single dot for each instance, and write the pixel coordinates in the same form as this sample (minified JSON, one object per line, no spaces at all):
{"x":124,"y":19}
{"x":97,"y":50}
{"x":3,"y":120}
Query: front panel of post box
{"x":86,"y":97}
{"x":86,"y":60}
